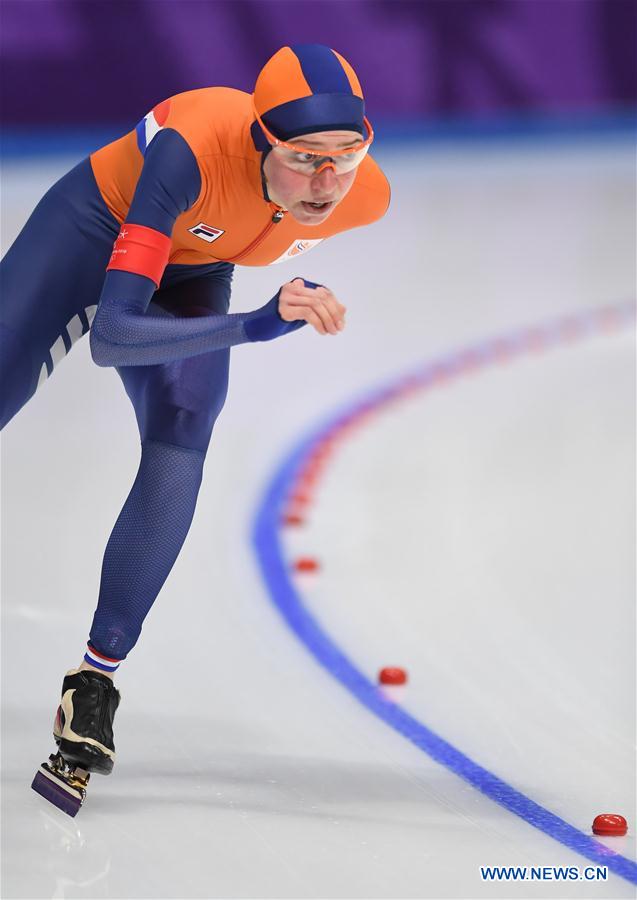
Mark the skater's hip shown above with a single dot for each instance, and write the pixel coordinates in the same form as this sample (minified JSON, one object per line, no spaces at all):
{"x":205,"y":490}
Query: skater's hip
{"x":77,"y":192}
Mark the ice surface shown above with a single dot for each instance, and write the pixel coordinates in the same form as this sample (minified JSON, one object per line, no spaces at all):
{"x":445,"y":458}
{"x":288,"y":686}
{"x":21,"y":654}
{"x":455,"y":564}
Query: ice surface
{"x":481,"y":535}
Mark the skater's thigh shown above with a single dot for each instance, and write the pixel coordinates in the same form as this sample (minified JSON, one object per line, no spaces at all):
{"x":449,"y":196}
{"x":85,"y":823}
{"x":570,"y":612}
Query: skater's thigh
{"x":41,"y":318}
{"x":50,"y":282}
{"x":55,"y":268}
{"x":44,"y":315}
{"x":179,"y":402}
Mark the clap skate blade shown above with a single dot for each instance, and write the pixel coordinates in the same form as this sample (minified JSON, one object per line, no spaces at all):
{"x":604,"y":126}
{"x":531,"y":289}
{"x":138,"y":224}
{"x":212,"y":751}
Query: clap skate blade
{"x":62,"y":784}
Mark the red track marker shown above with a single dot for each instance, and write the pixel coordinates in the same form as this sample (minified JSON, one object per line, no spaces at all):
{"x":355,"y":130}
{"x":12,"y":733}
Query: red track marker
{"x":293,"y":519}
{"x":610,"y":824}
{"x":392,"y":675}
{"x":306,"y":564}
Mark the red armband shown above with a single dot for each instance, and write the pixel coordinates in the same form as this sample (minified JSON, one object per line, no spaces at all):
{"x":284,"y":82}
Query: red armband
{"x":141,"y":250}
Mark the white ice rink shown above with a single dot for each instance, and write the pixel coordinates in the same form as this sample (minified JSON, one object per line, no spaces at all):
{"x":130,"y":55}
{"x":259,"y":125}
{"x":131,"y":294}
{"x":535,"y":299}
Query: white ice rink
{"x":481,"y":534}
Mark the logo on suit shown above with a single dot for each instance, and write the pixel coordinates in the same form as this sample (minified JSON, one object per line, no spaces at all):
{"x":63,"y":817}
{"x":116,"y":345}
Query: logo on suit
{"x":206,"y":232}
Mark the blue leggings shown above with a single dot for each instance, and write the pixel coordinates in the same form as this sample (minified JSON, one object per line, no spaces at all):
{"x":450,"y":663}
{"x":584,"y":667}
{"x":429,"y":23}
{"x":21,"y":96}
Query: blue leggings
{"x":50,"y":283}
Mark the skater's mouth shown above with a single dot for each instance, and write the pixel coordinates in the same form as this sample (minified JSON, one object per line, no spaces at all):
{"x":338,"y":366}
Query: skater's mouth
{"x":317,"y":207}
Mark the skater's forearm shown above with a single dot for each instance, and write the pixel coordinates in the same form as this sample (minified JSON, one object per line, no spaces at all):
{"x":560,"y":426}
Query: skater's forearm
{"x":124,"y":334}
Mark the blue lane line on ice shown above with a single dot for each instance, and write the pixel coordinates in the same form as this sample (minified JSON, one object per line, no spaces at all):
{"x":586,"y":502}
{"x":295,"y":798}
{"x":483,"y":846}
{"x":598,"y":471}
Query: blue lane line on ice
{"x":287,"y":600}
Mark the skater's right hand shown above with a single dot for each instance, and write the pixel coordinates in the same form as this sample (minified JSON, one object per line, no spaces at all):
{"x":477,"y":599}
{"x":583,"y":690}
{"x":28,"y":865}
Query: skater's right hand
{"x":315,"y":305}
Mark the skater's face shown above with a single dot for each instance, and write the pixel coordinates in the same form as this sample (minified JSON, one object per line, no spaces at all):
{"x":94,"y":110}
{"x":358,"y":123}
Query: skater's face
{"x":310,"y":196}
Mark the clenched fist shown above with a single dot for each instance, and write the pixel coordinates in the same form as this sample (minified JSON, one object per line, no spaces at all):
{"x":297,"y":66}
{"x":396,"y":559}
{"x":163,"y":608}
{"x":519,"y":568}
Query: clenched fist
{"x":317,"y":306}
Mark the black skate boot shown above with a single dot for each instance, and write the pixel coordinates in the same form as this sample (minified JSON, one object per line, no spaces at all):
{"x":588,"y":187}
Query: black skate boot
{"x":83,"y":731}
{"x":83,"y":726}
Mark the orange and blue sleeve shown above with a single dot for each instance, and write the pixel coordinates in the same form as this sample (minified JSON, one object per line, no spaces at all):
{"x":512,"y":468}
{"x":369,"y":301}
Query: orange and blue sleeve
{"x":123,"y":333}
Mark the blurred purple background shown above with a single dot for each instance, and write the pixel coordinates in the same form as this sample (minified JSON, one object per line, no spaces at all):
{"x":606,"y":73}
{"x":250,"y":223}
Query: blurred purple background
{"x":97,"y":62}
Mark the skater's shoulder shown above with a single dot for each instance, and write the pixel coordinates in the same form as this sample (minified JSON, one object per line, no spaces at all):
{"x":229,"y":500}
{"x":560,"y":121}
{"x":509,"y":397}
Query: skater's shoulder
{"x":372,"y":191}
{"x":212,"y":120}
{"x":213,"y":101}
{"x":366,"y":202}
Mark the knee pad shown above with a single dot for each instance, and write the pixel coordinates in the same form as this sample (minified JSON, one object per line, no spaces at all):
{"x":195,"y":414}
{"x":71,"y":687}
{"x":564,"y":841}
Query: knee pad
{"x":179,"y":403}
{"x":181,"y":421}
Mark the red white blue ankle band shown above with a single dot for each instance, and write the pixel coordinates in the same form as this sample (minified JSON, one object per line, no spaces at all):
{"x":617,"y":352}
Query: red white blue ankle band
{"x":94,"y":658}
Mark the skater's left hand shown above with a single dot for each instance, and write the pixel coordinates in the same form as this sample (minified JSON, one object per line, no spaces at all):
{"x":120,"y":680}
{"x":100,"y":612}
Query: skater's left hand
{"x":318,"y":306}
